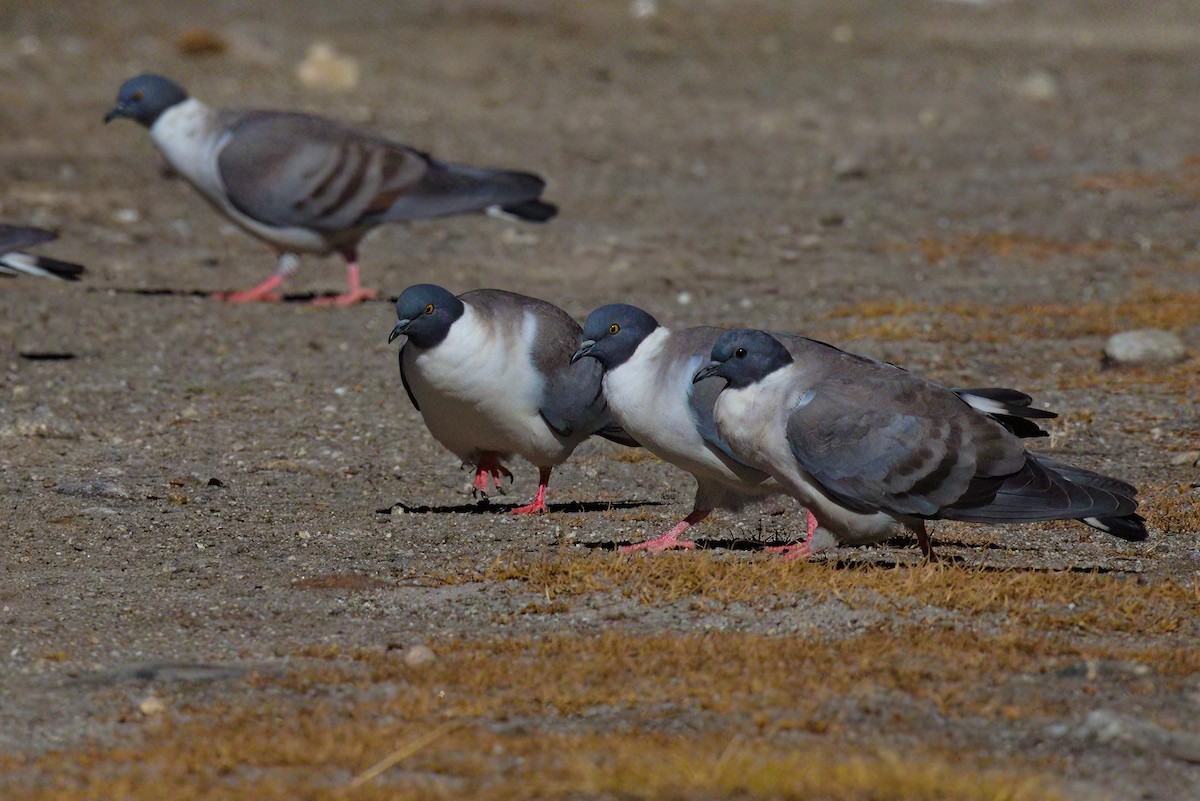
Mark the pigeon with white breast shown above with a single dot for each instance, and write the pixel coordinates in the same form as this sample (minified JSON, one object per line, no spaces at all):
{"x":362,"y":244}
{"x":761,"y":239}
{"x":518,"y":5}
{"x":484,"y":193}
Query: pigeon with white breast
{"x":16,"y":238}
{"x":491,"y":374}
{"x":648,"y":381}
{"x":873,"y":450}
{"x":307,"y":184}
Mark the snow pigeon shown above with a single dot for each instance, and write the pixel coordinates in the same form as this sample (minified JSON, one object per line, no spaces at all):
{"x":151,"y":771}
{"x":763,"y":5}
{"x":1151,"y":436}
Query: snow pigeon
{"x":873,"y":450}
{"x":648,"y":382}
{"x":491,"y":374}
{"x":15,"y":238}
{"x":306,"y":184}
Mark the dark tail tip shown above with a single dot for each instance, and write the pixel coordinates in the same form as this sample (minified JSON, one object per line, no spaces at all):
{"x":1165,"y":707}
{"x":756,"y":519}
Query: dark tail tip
{"x":532,"y":210}
{"x":1130,"y":527}
{"x":68,"y":271}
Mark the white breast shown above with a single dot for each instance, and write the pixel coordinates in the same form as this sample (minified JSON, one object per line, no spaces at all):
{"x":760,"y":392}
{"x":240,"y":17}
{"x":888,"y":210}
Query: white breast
{"x":190,"y":138}
{"x":479,"y":391}
{"x":657,"y":412}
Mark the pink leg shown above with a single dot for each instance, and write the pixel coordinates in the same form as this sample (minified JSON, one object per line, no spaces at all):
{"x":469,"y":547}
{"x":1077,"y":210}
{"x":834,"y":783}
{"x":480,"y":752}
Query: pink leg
{"x":800,"y":550}
{"x":263,"y":293}
{"x":539,"y":500}
{"x":489,"y":466}
{"x":354,"y":293}
{"x":670,"y":539}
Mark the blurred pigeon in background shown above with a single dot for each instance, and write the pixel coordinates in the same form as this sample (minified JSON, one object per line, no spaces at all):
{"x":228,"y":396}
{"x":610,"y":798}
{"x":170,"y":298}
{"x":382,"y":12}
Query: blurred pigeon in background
{"x":306,"y":184}
{"x":16,"y":238}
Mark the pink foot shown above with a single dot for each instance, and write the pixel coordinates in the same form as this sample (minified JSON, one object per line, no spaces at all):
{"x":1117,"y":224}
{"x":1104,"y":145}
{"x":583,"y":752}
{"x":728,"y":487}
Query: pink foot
{"x":354,"y":292}
{"x":539,"y":500}
{"x":489,"y":467}
{"x":263,"y":293}
{"x":347,"y":299}
{"x":670,"y":539}
{"x":790,"y":553}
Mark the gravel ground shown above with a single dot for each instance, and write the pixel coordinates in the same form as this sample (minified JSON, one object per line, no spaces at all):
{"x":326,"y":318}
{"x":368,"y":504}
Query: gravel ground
{"x":982,"y":192}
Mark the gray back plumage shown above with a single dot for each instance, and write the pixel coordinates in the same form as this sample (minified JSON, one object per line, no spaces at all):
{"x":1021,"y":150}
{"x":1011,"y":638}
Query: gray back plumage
{"x":288,"y":169}
{"x":876,"y":437}
{"x":19,"y":237}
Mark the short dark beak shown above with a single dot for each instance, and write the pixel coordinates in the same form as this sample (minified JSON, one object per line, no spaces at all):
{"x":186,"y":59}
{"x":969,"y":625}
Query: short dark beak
{"x":584,"y":349}
{"x":400,"y":330}
{"x":117,"y":111}
{"x":706,"y":371}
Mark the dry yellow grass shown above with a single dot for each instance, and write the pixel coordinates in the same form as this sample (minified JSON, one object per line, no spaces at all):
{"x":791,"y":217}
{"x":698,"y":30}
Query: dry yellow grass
{"x":1036,"y":600}
{"x":772,"y":707}
{"x":1147,"y":307}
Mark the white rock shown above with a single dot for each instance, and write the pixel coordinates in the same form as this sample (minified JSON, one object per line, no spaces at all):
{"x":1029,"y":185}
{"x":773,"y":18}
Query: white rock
{"x":1144,"y":346}
{"x":1039,"y":86}
{"x":151,"y":705}
{"x":324,"y":68}
{"x":419,"y":656}
{"x":1187,"y":458}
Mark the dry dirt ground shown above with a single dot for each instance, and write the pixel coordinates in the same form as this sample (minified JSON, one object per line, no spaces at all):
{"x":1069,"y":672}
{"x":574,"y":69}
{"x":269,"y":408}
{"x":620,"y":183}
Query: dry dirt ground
{"x":224,"y":530}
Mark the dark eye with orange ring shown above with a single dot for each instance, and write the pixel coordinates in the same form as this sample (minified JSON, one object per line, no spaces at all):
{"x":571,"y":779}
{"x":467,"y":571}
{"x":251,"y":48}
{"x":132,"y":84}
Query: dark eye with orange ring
{"x":740,"y":353}
{"x":614,"y":328}
{"x":137,"y":96}
{"x":429,"y":309}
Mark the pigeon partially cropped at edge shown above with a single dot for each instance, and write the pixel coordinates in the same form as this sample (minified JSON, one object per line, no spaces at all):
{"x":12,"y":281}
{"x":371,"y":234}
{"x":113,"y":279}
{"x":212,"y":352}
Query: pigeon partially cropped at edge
{"x":307,"y":184}
{"x":648,"y":381}
{"x":872,"y":450}
{"x":16,"y":238}
{"x":491,"y":374}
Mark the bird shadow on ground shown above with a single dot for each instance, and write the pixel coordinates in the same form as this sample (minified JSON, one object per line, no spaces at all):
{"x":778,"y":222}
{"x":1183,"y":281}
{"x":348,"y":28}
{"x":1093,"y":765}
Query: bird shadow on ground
{"x":299,"y":297}
{"x":486,"y":507}
{"x":732,"y":544}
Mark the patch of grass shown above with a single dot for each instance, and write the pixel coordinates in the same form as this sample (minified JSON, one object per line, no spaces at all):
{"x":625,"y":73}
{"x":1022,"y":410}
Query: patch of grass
{"x":1034,"y":600}
{"x":1148,"y":307}
{"x":1174,"y":509}
{"x":1005,"y":245}
{"x":198,"y":761}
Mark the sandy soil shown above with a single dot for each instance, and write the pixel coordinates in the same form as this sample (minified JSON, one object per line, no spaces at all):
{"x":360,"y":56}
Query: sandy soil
{"x":203,"y":493}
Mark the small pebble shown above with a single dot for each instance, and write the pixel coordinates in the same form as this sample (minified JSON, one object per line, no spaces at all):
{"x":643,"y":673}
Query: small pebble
{"x":1187,"y":458}
{"x":151,"y":706}
{"x":1144,"y":346}
{"x":1039,"y":86}
{"x":323,"y":68}
{"x":419,"y":656}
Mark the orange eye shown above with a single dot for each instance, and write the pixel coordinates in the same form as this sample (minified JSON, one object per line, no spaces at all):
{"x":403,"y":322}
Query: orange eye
{"x":429,"y":309}
{"x":137,"y":96}
{"x":614,"y":328}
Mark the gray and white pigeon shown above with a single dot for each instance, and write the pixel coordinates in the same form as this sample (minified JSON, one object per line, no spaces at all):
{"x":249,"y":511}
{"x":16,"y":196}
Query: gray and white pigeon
{"x":307,"y":184}
{"x":648,"y":381}
{"x":491,"y":374}
{"x":873,"y":450}
{"x":16,"y":238}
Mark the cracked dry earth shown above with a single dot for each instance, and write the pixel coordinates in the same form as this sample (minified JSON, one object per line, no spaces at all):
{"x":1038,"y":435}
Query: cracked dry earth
{"x":226,"y":534}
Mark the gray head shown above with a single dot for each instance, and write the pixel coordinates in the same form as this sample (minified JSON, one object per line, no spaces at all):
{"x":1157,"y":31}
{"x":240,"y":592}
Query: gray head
{"x":612,"y":333}
{"x":144,"y":98}
{"x":743,"y":357}
{"x":426,"y":312}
